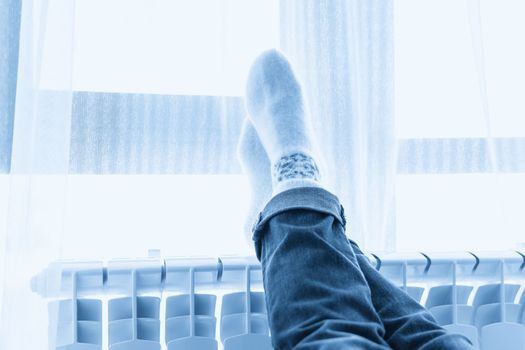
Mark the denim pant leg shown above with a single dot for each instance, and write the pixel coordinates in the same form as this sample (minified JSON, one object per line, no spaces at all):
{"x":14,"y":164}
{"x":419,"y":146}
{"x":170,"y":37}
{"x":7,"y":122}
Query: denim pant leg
{"x":407,"y":324}
{"x":316,"y":294}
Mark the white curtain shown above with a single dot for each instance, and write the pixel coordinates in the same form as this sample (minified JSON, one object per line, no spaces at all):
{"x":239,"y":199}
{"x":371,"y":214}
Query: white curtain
{"x":38,"y":178}
{"x":344,"y":53}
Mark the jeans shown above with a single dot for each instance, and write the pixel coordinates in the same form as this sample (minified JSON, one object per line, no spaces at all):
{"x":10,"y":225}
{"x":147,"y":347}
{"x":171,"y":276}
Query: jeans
{"x":322,"y":292}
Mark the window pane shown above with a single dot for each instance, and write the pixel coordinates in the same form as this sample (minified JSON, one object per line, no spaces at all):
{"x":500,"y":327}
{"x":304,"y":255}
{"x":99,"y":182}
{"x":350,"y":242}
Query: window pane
{"x":437,"y":89}
{"x":112,"y":216}
{"x":460,"y":212}
{"x":190,"y":47}
{"x":435,"y":78}
{"x":503,"y":29}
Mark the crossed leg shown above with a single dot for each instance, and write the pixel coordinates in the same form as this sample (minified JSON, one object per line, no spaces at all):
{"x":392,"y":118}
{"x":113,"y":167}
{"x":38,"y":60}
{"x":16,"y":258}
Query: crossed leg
{"x":321,"y":291}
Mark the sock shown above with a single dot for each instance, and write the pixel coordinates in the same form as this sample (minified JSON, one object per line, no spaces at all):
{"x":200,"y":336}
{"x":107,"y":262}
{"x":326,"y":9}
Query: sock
{"x":276,"y":107}
{"x":256,"y":165}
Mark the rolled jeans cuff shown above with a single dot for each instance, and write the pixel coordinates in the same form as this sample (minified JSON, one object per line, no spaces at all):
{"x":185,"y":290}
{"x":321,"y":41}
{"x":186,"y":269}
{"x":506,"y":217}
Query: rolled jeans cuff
{"x":301,"y":198}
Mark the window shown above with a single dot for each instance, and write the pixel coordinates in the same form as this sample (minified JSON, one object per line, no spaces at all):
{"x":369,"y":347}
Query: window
{"x":447,"y":195}
{"x":173,"y":47}
{"x":151,"y":87}
{"x":153,"y":81}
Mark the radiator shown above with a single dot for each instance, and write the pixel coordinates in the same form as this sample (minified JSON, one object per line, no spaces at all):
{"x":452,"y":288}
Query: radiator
{"x":212,"y":303}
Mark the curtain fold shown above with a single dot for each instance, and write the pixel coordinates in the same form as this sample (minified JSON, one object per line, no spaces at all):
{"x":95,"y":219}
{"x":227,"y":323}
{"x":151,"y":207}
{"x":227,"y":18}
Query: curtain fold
{"x":38,"y":177}
{"x":9,"y":36}
{"x":343,"y":51}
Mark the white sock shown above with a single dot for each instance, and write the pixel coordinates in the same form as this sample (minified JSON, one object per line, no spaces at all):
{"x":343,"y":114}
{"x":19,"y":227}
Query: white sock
{"x":277,"y":110}
{"x":256,"y":165}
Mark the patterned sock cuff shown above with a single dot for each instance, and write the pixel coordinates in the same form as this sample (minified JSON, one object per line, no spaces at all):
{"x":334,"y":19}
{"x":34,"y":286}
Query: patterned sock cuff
{"x":295,"y":166}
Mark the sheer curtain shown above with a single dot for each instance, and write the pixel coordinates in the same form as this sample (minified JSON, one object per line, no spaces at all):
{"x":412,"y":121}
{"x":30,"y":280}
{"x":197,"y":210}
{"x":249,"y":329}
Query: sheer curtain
{"x":38,"y":177}
{"x":344,"y":52}
{"x":459,"y":125}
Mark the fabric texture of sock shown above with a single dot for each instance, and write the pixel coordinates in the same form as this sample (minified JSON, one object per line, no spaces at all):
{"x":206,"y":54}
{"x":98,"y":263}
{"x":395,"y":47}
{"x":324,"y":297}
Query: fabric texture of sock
{"x":257,"y":167}
{"x":295,"y":170}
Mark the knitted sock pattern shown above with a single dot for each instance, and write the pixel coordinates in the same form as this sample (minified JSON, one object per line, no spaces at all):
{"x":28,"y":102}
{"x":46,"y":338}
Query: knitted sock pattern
{"x":295,"y":166}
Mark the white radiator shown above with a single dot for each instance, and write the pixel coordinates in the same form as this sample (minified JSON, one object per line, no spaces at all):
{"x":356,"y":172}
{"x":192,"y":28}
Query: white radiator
{"x":209,"y":303}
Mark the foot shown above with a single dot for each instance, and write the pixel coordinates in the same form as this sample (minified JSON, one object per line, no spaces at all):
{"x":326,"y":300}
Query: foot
{"x":256,"y":165}
{"x":276,"y":107}
{"x":275,"y":104}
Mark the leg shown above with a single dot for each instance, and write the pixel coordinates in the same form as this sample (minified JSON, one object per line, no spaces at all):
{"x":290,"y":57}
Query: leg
{"x":254,"y":163}
{"x":317,"y":297}
{"x":407,"y":324}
